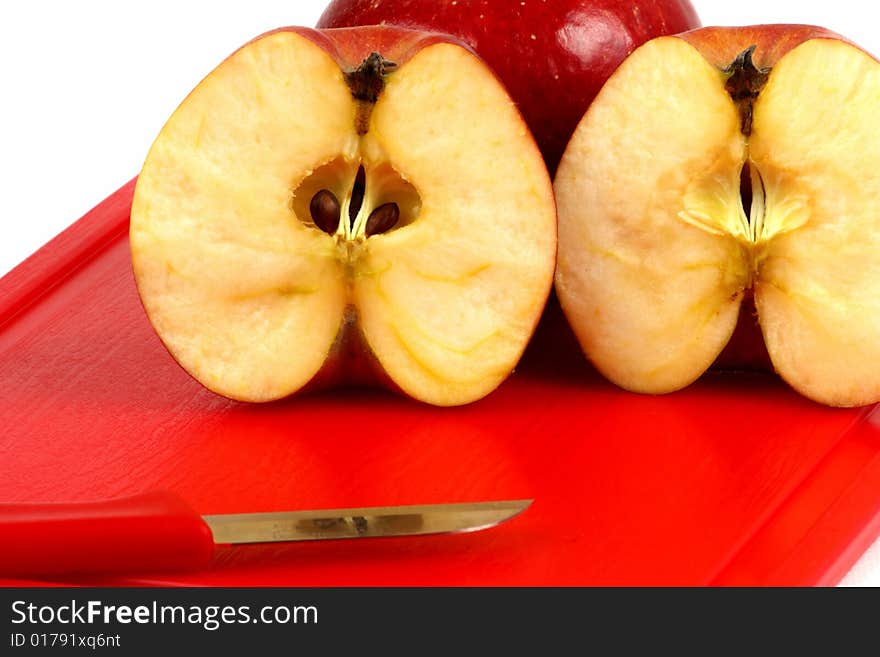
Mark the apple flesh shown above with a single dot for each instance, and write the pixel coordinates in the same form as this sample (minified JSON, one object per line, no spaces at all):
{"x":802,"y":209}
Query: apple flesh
{"x":552,"y":56}
{"x":716,"y":166}
{"x":345,"y":206}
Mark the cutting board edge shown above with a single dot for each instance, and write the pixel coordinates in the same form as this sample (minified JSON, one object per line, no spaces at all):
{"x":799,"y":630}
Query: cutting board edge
{"x":819,"y":557}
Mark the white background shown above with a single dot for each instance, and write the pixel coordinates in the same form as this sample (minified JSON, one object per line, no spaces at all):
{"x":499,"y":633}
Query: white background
{"x":85,"y":87}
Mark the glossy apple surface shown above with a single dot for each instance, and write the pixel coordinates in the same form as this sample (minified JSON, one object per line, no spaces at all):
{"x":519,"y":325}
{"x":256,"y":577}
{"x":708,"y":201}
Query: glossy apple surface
{"x":553,"y":56}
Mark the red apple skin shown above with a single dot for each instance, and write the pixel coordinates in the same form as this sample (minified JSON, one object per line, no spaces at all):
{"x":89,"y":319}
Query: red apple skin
{"x":552,"y":56}
{"x":746,"y":350}
{"x":350,"y":46}
{"x":721,"y":45}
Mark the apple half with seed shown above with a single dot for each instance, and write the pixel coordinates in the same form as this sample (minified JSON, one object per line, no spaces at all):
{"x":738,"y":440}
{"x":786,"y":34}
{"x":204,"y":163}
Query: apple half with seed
{"x":718,"y":169}
{"x":345,"y":206}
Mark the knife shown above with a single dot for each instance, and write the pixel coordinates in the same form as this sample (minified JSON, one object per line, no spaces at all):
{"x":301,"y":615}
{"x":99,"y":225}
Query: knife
{"x":159,"y":532}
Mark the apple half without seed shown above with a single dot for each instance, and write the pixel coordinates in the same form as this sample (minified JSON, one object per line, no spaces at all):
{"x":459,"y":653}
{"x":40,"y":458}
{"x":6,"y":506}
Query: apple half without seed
{"x":336,"y":206}
{"x":716,"y":165}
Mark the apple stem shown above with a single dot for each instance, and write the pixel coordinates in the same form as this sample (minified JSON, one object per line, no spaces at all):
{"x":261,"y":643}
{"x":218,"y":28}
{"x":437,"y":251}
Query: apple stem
{"x":744,"y":84}
{"x":366,"y":83}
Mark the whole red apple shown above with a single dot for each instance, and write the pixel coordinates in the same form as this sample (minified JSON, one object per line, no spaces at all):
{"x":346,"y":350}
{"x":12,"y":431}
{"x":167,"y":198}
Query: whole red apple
{"x":552,"y":55}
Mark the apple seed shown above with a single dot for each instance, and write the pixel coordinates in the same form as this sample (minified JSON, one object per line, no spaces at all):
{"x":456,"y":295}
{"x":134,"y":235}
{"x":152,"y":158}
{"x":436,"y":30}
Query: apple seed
{"x":325,"y":211}
{"x":382,"y":219}
{"x":746,"y":194}
{"x":357,"y":195}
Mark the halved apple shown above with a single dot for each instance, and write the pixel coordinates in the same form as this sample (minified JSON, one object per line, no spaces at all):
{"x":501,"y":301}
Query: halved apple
{"x":345,"y":205}
{"x":716,"y":165}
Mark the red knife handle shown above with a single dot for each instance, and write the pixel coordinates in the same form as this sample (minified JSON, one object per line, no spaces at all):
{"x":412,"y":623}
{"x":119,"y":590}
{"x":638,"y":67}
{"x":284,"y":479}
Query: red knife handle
{"x":146,"y":533}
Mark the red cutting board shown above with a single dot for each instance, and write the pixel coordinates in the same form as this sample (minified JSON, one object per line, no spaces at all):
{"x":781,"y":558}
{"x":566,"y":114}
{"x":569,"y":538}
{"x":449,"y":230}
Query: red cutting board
{"x":736,"y":480}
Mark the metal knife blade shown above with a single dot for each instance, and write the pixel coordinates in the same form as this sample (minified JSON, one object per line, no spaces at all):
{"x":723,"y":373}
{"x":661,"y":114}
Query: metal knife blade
{"x":369,"y":522}
{"x":159,"y":532}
